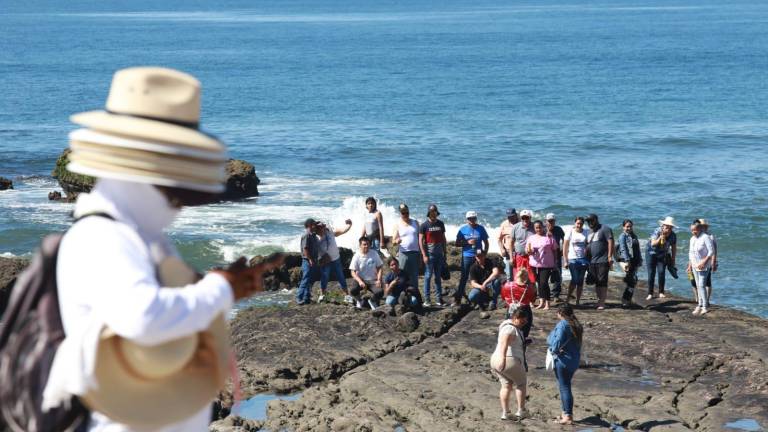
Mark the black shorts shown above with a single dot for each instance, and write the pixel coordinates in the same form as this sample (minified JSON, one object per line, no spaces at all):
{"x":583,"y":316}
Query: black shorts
{"x":600,"y":273}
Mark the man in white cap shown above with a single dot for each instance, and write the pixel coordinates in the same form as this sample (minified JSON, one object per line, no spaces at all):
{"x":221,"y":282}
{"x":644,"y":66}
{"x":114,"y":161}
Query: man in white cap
{"x":521,"y":231}
{"x":471,"y":237}
{"x":141,"y":354}
{"x":660,"y":254}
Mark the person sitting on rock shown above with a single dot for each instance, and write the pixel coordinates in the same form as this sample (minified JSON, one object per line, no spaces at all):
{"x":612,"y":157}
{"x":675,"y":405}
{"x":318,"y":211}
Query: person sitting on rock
{"x":366,"y":267}
{"x":485,"y":280}
{"x":398,"y":289}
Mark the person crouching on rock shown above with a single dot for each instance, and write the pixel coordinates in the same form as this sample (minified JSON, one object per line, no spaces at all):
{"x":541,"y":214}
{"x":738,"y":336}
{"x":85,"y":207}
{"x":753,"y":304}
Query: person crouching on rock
{"x":565,"y":344}
{"x":397,"y":284}
{"x":485,"y":280}
{"x":508,"y":363}
{"x":366,"y":267}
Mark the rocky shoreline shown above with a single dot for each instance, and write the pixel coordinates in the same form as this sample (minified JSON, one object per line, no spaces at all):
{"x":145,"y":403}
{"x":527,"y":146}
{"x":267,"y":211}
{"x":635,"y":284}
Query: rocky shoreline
{"x":654,"y":367}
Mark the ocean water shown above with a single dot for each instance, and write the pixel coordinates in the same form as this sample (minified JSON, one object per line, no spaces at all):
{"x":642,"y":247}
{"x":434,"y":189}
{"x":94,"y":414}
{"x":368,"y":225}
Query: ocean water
{"x":627,"y":108}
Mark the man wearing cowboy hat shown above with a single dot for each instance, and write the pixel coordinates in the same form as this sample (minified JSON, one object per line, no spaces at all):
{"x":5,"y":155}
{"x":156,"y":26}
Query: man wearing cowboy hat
{"x":146,"y":344}
{"x":661,"y":253}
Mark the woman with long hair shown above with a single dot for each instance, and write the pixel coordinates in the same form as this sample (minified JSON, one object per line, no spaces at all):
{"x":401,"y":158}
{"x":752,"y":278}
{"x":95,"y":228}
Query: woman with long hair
{"x":508,"y":363}
{"x":564,"y":342}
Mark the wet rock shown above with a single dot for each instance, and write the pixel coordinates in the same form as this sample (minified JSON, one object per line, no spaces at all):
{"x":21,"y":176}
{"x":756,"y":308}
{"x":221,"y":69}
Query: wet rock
{"x":5,"y":184}
{"x":9,"y":270}
{"x":408,"y":322}
{"x":636,"y":375}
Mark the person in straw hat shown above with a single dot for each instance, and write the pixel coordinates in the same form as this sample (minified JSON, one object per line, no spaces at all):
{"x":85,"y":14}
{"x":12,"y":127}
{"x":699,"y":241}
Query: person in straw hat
{"x":146,"y":344}
{"x":661,"y":253}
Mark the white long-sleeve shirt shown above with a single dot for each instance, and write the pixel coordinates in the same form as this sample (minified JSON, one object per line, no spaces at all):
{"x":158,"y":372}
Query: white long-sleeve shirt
{"x":106,"y":276}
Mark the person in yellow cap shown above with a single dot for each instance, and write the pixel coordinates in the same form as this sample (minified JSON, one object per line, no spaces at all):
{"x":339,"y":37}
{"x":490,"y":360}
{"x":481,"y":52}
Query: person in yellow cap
{"x":146,"y":344}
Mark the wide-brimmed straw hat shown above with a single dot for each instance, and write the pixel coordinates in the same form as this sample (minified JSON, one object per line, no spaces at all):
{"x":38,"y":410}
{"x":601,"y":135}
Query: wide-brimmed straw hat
{"x":669,"y":220}
{"x":148,"y":387}
{"x":149,"y":133}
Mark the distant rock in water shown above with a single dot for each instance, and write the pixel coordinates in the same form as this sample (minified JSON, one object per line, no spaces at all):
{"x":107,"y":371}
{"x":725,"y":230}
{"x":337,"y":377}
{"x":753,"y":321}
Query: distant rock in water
{"x":9,"y":270}
{"x":5,"y":183}
{"x":242,"y":181}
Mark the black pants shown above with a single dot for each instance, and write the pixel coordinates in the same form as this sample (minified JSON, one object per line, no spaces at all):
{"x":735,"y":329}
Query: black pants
{"x":542,"y":281}
{"x":630,"y":280}
{"x":376,"y":293}
{"x":556,"y":277}
{"x":600,"y":273}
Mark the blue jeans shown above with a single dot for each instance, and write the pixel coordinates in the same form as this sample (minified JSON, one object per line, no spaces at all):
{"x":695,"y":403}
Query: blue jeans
{"x":656,"y":264}
{"x":564,"y":377}
{"x":700,"y":277}
{"x":308,"y":276}
{"x":466,"y":263}
{"x":410,"y":263}
{"x":578,"y":269}
{"x":481,"y":298}
{"x":434,"y":267}
{"x":334,"y":266}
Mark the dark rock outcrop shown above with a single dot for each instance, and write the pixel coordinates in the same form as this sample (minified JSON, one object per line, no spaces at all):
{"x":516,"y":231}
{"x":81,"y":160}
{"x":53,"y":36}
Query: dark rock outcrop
{"x":5,"y":184}
{"x":9,"y":270}
{"x":242,"y":181}
{"x":652,"y":367}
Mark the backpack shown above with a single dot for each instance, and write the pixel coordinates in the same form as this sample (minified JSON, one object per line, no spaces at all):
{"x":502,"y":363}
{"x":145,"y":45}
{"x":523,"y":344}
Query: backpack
{"x":29,"y":338}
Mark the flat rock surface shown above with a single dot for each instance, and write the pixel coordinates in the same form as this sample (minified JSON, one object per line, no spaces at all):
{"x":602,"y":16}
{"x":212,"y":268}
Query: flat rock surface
{"x":654,"y":367}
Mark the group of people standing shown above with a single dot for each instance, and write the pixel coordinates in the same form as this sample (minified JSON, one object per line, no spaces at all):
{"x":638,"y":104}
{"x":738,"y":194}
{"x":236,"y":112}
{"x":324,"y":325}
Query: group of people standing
{"x":587,"y":250}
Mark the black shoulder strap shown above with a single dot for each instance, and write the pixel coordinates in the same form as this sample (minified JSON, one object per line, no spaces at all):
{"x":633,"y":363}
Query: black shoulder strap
{"x":98,"y":214}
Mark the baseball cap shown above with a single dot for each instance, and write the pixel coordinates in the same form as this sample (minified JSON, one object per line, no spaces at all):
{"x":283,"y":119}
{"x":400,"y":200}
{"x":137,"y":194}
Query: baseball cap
{"x":432,"y":208}
{"x":471,"y":214}
{"x":403,"y":208}
{"x":511,"y":212}
{"x":525,"y":213}
{"x":550,"y":216}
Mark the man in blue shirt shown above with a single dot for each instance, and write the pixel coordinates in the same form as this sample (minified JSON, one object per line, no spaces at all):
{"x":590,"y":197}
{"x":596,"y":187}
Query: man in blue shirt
{"x":470,"y":237}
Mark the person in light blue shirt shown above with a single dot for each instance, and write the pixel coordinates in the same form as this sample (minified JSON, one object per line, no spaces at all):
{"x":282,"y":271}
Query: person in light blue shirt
{"x":470,"y":237}
{"x":565,"y":344}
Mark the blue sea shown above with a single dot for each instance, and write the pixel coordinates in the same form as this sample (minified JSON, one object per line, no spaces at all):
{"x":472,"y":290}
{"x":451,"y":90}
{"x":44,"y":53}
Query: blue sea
{"x":634,"y":109}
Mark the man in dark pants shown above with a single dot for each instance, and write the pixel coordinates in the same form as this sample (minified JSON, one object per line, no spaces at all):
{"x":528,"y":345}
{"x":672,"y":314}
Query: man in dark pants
{"x":310,"y":267}
{"x":600,"y":251}
{"x":556,"y":277}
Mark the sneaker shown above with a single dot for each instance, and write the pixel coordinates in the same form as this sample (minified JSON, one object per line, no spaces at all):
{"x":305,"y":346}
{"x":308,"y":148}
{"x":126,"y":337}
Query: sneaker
{"x":649,"y":297}
{"x":506,"y":416}
{"x":696,"y":311}
{"x":703,"y":311}
{"x":661,"y":295}
{"x":359,"y":304}
{"x":321,"y":298}
{"x":440,"y":304}
{"x":492,"y":307}
{"x":348,"y":299}
{"x":521,"y":414}
{"x":371,"y":304}
{"x":426,"y":304}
